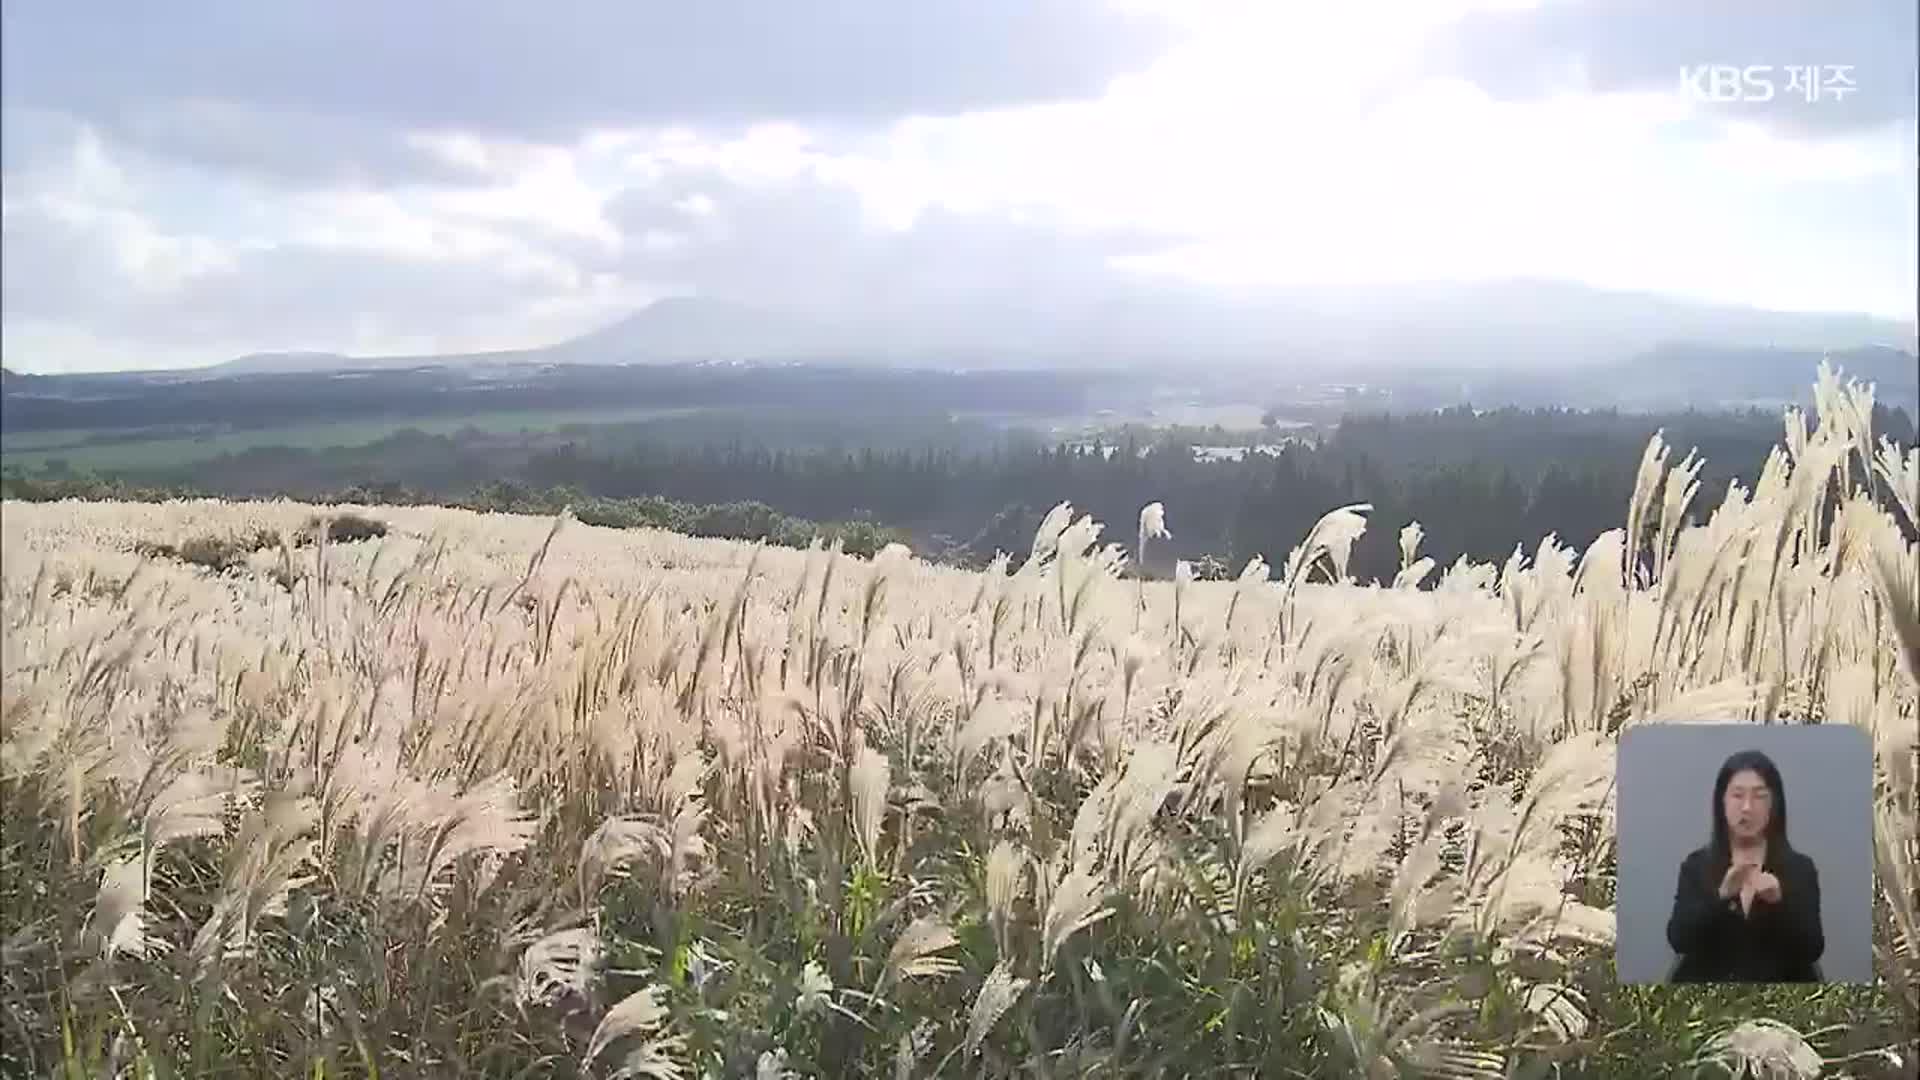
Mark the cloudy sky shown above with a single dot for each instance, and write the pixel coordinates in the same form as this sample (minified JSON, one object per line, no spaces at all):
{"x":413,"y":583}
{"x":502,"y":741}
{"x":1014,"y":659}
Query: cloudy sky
{"x":188,"y":182}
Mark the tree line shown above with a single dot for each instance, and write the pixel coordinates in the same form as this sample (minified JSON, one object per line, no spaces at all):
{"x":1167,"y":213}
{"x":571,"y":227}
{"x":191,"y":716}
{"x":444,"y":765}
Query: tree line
{"x":1479,"y":483}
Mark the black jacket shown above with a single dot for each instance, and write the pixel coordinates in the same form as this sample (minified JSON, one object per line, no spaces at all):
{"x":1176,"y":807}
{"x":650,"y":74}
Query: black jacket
{"x":1773,"y":942}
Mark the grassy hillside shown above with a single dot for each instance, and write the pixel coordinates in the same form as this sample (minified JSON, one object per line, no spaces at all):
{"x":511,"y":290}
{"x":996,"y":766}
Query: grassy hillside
{"x":504,"y":796}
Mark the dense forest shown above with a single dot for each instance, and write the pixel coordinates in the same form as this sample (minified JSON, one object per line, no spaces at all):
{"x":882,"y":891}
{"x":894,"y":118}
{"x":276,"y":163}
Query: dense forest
{"x":1480,"y":483}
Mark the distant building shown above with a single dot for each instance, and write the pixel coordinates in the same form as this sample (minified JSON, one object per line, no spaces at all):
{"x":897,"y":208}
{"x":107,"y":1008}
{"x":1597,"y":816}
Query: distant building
{"x":1239,"y":453}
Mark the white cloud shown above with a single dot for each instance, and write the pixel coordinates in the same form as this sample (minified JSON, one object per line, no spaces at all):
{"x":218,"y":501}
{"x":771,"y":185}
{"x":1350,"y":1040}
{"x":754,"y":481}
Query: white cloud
{"x":243,"y":81}
{"x":1263,"y":144}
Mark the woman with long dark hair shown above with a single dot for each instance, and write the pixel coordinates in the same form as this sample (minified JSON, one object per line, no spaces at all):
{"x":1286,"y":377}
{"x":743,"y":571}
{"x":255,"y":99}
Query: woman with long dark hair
{"x":1747,"y":906}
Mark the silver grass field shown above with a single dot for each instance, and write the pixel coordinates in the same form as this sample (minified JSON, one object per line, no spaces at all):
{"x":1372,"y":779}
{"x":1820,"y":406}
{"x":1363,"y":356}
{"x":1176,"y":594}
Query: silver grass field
{"x":514,"y":797}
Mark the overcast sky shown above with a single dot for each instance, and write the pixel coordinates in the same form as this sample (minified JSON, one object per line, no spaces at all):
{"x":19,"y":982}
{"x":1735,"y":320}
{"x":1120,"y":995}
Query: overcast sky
{"x":188,"y":182}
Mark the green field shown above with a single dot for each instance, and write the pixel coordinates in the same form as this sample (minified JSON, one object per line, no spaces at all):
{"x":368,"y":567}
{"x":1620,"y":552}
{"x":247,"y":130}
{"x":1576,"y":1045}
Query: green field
{"x":163,"y":448}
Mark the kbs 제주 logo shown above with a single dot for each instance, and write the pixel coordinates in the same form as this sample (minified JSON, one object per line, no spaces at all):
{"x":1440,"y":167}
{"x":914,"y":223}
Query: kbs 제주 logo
{"x":1759,"y":83}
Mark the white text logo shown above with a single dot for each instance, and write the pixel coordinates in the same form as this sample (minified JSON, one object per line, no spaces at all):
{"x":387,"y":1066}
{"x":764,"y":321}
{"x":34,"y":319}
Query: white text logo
{"x":1754,"y":84}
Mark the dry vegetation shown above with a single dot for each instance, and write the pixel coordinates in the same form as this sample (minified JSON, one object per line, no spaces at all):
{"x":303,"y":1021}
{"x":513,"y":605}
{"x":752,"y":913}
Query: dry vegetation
{"x":498,"y":796}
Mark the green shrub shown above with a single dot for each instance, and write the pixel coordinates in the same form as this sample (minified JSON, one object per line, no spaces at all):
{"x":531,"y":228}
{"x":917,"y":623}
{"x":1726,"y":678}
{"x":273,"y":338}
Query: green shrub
{"x":865,"y":538}
{"x":737,"y":521}
{"x":212,"y":552}
{"x":348,"y":528}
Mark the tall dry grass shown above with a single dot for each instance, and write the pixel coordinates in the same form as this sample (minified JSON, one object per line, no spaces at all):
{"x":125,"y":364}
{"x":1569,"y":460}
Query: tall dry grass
{"x":500,"y":797}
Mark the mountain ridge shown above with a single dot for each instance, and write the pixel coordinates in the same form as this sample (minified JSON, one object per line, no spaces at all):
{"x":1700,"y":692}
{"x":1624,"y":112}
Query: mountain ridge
{"x":1524,"y":324}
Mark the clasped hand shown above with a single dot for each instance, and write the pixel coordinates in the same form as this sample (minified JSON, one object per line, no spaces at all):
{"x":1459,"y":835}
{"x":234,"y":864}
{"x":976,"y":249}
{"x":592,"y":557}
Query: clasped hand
{"x":1748,"y":881}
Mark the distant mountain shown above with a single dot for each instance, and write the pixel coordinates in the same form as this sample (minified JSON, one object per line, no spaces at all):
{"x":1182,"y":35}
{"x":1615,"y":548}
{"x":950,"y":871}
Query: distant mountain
{"x":1709,"y":376}
{"x":22,"y":382}
{"x":283,"y":363}
{"x":1533,"y":325}
{"x":673,"y":330}
{"x":1153,"y":323}
{"x":692,"y":328}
